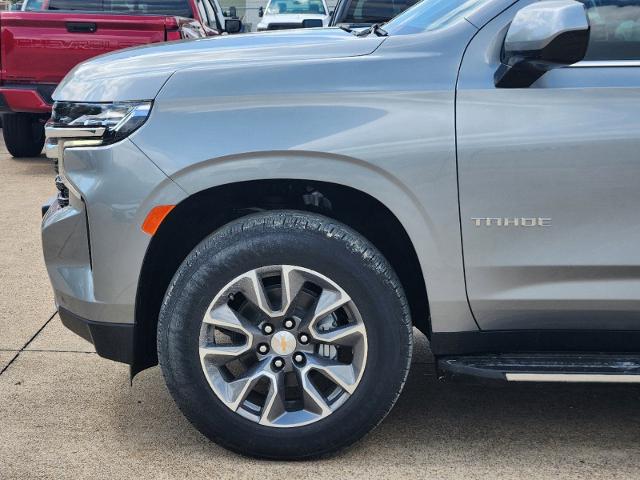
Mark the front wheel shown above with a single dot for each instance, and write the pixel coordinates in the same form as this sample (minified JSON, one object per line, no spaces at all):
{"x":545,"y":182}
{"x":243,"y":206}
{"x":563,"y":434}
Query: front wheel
{"x":23,"y":134}
{"x":285,"y":335}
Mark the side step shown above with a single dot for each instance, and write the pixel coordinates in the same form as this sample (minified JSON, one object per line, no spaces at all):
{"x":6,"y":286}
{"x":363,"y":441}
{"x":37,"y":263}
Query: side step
{"x":586,"y":368}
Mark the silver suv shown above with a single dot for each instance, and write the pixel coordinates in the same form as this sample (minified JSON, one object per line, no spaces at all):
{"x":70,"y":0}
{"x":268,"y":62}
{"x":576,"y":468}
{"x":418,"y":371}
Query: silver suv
{"x":268,"y":216}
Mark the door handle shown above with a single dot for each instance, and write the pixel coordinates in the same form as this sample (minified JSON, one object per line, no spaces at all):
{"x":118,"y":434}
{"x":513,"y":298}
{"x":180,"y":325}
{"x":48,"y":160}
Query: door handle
{"x":82,"y":27}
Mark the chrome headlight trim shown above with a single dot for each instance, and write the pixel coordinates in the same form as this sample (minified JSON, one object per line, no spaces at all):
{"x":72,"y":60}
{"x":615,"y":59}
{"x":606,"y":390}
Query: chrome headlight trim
{"x":59,"y":138}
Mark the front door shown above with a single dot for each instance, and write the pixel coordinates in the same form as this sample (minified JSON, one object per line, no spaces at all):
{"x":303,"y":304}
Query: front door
{"x":550,"y":182}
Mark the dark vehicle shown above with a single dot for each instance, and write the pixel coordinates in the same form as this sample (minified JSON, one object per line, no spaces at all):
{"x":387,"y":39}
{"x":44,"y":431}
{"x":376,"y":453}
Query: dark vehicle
{"x":364,"y":13}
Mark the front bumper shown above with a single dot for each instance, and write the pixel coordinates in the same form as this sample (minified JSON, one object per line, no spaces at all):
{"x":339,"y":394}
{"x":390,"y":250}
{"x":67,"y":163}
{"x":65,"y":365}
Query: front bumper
{"x":67,"y":255}
{"x":93,"y":244}
{"x":113,"y":341}
{"x":26,"y":98}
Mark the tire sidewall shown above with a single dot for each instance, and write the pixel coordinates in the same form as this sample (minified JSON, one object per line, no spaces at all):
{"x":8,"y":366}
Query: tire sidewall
{"x":233,"y":251}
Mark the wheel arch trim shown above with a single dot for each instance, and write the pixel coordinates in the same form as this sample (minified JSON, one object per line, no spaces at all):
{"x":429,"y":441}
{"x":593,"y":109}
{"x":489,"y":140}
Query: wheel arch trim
{"x":311,"y":166}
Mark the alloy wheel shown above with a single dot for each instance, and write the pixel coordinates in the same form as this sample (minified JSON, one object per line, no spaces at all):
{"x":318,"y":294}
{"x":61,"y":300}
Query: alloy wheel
{"x":283,"y":346}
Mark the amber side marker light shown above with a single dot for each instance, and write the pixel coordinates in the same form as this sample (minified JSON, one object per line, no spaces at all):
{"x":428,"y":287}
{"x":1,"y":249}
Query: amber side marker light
{"x":155,"y":218}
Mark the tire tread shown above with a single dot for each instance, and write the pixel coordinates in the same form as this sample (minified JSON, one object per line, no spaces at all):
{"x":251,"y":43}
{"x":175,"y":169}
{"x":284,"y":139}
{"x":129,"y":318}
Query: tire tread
{"x":295,"y":222}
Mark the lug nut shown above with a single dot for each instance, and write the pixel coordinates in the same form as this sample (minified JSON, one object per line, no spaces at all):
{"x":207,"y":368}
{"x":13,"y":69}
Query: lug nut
{"x":268,"y":329}
{"x":304,"y":338}
{"x":298,"y":358}
{"x":263,"y":348}
{"x":278,"y":363}
{"x":289,"y":323}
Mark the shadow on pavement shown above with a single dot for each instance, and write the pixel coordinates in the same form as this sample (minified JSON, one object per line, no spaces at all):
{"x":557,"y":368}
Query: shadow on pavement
{"x":454,"y":422}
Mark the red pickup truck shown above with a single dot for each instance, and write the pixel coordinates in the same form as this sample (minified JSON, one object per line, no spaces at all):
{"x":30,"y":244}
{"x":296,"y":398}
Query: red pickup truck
{"x":42,"y":43}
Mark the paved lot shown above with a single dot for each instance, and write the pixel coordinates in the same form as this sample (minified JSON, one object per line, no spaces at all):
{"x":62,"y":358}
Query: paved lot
{"x":66,"y":413}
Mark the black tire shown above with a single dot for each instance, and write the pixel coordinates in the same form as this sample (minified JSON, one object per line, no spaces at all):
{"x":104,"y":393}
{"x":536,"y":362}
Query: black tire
{"x":23,"y":134}
{"x":294,"y":238}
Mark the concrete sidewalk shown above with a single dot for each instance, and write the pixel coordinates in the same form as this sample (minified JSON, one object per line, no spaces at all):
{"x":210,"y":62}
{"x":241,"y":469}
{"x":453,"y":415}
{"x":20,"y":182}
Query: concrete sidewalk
{"x":66,"y":413}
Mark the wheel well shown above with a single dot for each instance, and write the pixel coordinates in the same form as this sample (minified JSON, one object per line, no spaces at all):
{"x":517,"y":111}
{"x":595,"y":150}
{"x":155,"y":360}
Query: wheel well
{"x":204,"y":212}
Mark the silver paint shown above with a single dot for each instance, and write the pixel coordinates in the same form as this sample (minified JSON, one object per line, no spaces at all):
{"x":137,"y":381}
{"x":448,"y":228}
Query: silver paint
{"x":379,"y":114}
{"x":537,"y":25}
{"x":566,"y":148}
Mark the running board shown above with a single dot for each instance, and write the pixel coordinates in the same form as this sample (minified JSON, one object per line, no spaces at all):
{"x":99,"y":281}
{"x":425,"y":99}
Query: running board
{"x":571,"y":368}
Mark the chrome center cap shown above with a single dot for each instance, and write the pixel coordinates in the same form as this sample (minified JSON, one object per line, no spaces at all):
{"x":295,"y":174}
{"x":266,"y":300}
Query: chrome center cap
{"x":283,"y":343}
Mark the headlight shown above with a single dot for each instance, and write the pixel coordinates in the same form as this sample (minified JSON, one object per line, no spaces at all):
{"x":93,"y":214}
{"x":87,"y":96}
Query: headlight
{"x":75,"y":124}
{"x":111,"y":122}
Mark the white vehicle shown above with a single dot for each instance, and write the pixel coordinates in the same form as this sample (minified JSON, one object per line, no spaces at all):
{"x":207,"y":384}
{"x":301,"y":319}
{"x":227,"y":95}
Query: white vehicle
{"x":287,"y":14}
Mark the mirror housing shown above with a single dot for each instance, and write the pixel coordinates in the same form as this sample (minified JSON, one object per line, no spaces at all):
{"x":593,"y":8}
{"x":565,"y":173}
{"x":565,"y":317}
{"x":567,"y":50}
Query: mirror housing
{"x":232,"y":25}
{"x":542,"y":36}
{"x":261,"y":12}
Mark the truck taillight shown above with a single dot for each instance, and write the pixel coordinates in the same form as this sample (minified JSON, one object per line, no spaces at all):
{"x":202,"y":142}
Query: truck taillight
{"x":173,"y":29}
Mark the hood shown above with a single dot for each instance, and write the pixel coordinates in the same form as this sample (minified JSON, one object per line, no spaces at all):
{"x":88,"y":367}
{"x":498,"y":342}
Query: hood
{"x":139,"y":73}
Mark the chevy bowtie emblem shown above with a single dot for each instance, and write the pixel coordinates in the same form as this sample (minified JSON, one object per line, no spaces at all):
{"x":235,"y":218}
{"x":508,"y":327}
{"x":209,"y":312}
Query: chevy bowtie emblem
{"x":283,"y":343}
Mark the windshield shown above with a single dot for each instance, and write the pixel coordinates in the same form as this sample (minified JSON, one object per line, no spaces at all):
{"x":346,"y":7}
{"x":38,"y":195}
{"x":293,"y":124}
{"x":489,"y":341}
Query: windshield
{"x":431,"y":15}
{"x":284,"y":7}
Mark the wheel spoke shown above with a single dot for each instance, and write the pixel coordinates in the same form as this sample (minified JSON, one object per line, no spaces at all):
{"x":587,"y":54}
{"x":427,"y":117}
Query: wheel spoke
{"x":274,"y":404}
{"x":329,"y":301}
{"x":251,"y":286}
{"x":221,"y":354}
{"x":313,"y":399}
{"x":345,"y":335}
{"x":225,"y":317}
{"x":236,"y":392}
{"x":292,"y":282}
{"x":343,"y":375}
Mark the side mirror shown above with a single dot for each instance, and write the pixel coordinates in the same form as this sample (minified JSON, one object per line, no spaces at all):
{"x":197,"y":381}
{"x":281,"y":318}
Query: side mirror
{"x":312,"y":23}
{"x":261,"y":12}
{"x":541,"y":37}
{"x":232,"y":25}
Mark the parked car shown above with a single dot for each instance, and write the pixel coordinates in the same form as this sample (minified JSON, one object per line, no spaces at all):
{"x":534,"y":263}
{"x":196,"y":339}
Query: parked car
{"x":288,"y":14}
{"x":44,"y":41}
{"x":471,"y":169}
{"x":364,"y":13}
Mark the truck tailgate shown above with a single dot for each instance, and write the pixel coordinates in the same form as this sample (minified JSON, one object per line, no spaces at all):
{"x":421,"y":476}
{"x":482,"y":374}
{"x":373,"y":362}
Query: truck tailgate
{"x":40,"y":47}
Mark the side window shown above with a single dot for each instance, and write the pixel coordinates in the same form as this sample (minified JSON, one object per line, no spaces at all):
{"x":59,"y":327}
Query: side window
{"x":615,"y":29}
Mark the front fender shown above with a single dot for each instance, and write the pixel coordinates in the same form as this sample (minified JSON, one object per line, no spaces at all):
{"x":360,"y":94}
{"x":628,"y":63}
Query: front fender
{"x":437,"y":244}
{"x":382,"y":123}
